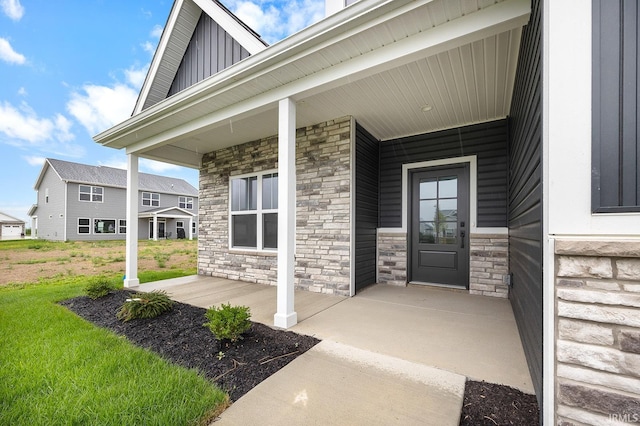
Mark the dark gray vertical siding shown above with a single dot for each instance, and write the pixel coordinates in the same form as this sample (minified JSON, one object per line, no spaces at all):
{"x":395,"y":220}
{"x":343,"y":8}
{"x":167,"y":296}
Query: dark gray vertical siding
{"x":487,"y":140}
{"x":525,"y":197}
{"x":210,"y":50}
{"x":616,"y":115}
{"x":366,"y":207}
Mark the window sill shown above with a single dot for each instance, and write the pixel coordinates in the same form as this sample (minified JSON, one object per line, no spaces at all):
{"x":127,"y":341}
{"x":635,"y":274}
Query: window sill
{"x":249,"y":252}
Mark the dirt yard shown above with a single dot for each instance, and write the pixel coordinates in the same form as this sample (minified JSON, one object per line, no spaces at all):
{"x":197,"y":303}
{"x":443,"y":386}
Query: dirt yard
{"x":23,"y":261}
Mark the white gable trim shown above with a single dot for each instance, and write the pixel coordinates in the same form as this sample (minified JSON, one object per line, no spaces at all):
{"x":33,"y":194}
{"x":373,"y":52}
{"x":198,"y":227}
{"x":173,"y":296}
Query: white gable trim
{"x":232,"y":26}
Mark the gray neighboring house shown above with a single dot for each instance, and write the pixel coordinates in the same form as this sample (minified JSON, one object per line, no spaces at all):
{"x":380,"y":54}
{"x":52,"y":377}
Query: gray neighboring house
{"x":10,"y":227}
{"x":82,"y":202}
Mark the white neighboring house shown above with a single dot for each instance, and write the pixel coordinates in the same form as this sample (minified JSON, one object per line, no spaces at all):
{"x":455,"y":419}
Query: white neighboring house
{"x":11,"y":227}
{"x":82,"y":202}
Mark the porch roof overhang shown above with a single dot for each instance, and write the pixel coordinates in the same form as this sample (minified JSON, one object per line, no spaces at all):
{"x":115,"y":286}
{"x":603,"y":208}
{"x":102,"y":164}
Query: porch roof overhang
{"x":166,"y":213}
{"x":400,"y":67}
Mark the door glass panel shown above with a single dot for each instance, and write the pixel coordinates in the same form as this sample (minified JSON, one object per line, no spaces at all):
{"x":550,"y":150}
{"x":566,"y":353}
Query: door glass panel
{"x":428,"y":188}
{"x":438,"y":213}
{"x":448,"y":187}
{"x":428,"y":210}
{"x":427,"y":233}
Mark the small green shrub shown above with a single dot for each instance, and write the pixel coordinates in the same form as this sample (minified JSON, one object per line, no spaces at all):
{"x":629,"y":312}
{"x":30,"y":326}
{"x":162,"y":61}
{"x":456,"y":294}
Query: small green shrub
{"x":228,"y":322}
{"x":99,"y":287}
{"x":145,"y":305}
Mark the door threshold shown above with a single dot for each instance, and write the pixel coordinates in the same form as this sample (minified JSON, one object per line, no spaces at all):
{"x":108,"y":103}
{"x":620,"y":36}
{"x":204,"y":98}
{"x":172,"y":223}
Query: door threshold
{"x":447,"y":286}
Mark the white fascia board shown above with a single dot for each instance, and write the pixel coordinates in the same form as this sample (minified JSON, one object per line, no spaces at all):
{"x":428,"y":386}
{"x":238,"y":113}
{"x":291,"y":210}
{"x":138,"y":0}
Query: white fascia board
{"x":484,"y":23}
{"x":232,"y":26}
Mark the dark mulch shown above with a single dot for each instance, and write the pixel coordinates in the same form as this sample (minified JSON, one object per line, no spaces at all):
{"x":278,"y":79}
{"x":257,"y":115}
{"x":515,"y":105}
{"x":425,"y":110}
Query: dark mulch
{"x":490,"y":404}
{"x":180,"y":337}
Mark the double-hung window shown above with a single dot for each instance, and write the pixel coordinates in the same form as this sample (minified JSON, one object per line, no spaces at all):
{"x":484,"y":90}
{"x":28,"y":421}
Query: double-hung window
{"x":254,"y":211}
{"x":185,"y":202}
{"x":151,"y":199}
{"x":90,"y":193}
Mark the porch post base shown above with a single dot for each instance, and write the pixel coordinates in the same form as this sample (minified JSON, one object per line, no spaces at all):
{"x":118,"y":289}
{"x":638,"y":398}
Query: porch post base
{"x":131,"y":282}
{"x":285,"y":320}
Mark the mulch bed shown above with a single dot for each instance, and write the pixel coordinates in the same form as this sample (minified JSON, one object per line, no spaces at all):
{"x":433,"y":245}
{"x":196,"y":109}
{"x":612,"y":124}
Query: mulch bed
{"x":180,"y":337}
{"x":491,"y":404}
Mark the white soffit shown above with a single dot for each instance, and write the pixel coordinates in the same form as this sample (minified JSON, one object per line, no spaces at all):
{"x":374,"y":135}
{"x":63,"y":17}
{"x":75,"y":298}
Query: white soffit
{"x":383,"y":66}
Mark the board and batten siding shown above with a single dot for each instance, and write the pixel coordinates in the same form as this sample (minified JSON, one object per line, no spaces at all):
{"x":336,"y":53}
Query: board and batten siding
{"x":366,"y":207}
{"x":616,"y":114}
{"x":210,"y":50}
{"x":488,"y":141}
{"x":525,"y":197}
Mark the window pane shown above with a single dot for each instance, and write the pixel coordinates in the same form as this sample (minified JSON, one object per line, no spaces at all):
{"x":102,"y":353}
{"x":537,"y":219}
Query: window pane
{"x":244,"y":194}
{"x":270,"y":191}
{"x":244,"y":230}
{"x":428,"y":210}
{"x":448,"y":187}
{"x":270,"y":230}
{"x":84,"y":222}
{"x":253,"y":193}
{"x":83,"y":230}
{"x":428,"y":188}
{"x":448,"y":210}
{"x":427,"y":233}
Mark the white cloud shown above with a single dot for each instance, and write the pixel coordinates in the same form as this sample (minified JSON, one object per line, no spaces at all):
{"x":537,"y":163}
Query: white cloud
{"x":12,"y":8}
{"x":157,"y":166}
{"x":156,"y":31}
{"x":135,"y":77}
{"x":23,"y":128}
{"x":98,"y":108}
{"x":22,"y":91}
{"x":34,"y":160}
{"x":9,"y":55}
{"x":149,"y":47}
{"x":275,"y":20}
{"x":117,"y":162}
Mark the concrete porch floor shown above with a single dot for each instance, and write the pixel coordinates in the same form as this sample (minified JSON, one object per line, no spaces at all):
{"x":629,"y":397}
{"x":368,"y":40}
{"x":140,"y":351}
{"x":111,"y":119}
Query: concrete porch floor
{"x":421,"y":341}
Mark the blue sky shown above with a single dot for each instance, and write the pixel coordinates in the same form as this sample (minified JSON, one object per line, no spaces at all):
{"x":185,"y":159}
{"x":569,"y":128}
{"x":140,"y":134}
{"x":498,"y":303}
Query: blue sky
{"x":70,"y":69}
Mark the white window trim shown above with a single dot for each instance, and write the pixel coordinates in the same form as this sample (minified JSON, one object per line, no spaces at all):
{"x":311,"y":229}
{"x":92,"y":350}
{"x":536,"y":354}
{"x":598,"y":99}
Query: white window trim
{"x":88,"y":226}
{"x":151,"y":194}
{"x":120,"y":226}
{"x":179,"y":224}
{"x":90,"y":200}
{"x":259,"y":212}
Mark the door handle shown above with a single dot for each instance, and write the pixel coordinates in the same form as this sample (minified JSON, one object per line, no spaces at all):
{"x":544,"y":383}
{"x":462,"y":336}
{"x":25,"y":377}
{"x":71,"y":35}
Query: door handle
{"x":461,"y":239}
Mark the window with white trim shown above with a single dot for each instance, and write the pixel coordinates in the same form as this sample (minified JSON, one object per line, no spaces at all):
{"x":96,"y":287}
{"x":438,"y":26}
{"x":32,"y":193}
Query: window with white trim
{"x":194,"y":227}
{"x":122,"y":226}
{"x":151,"y":199}
{"x":185,"y":202}
{"x":92,"y":194}
{"x":180,"y":224}
{"x":104,"y":226}
{"x":84,"y":225}
{"x":254,"y":211}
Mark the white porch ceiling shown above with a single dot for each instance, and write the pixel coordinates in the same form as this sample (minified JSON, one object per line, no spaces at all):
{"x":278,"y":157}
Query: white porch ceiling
{"x":381,"y":62}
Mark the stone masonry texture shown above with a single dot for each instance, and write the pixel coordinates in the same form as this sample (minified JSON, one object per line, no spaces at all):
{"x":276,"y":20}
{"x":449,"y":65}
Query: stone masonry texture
{"x":598,"y":332}
{"x":323,"y":228}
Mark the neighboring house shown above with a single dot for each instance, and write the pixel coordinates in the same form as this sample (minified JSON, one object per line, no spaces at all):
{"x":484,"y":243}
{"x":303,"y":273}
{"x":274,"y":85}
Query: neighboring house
{"x":323,"y":158}
{"x":82,"y":202}
{"x":11,"y":227}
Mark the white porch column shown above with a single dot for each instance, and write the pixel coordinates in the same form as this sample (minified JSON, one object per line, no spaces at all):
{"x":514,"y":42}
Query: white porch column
{"x":285,"y":316}
{"x":131,"y":252}
{"x":155,"y":227}
{"x":190,"y":228}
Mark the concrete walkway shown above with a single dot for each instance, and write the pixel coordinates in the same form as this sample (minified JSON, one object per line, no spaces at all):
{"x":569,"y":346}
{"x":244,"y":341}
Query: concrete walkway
{"x":390,"y":355}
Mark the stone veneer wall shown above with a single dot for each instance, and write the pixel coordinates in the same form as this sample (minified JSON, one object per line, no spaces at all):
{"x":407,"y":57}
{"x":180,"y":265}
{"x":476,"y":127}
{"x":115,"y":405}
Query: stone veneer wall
{"x":598,"y":332}
{"x":489,"y":262}
{"x":323,"y":228}
{"x":392,"y":258}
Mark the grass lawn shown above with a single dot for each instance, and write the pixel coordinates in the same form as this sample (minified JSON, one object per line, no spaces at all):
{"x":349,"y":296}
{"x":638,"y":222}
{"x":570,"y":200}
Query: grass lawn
{"x":56,"y":368}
